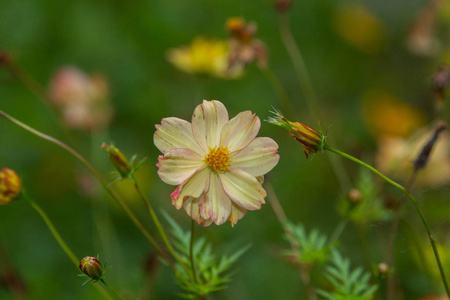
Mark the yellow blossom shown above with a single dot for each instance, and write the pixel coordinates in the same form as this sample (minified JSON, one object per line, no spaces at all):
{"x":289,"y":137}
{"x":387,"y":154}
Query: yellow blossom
{"x":204,"y":56}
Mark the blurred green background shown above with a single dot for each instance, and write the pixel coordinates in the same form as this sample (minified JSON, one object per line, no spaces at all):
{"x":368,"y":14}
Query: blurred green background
{"x":127,"y":43}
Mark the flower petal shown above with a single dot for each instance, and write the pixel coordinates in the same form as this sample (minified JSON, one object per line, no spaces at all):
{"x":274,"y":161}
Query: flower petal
{"x":175,"y":133}
{"x":191,"y":206}
{"x":237,"y":213}
{"x":207,"y":123}
{"x":240,"y":131}
{"x":195,"y":186}
{"x":258,"y":158}
{"x":243,"y":189}
{"x":216,"y":205}
{"x":177,"y":165}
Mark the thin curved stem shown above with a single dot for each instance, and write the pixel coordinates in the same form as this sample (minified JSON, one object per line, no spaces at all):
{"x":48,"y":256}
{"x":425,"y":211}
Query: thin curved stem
{"x":278,"y":88}
{"x":413,"y":200}
{"x":52,"y":228}
{"x":112,"y":290}
{"x":157,"y":222}
{"x":94,"y":172}
{"x":57,"y":236}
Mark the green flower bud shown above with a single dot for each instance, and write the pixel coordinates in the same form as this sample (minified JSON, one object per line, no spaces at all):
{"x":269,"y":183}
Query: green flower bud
{"x":92,"y":267}
{"x":119,"y":160}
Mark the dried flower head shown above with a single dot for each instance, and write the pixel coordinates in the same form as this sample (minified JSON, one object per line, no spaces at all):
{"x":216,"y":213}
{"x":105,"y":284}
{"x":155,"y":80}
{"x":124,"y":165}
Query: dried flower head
{"x":244,"y":48}
{"x":217,"y":163}
{"x":311,"y":140}
{"x":10,"y":186}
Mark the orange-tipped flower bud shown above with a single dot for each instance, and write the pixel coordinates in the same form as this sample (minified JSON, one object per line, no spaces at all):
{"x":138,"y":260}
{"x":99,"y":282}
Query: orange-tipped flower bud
{"x":119,"y":160}
{"x":354,"y":197}
{"x":91,"y":267}
{"x":311,"y":139}
{"x":10,"y":186}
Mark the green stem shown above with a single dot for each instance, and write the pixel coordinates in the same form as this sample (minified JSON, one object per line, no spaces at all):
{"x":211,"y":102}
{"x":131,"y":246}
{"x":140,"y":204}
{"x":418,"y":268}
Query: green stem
{"x":278,"y":88}
{"x":338,"y":231}
{"x":52,"y":228}
{"x":157,"y":222}
{"x":94,"y":172}
{"x":57,"y":236}
{"x":112,"y":290}
{"x":191,"y":251}
{"x":413,"y":200}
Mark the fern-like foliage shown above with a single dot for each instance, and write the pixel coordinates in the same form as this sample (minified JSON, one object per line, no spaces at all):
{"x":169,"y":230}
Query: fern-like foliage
{"x":212,"y":274}
{"x":347,"y":284}
{"x":306,"y":248}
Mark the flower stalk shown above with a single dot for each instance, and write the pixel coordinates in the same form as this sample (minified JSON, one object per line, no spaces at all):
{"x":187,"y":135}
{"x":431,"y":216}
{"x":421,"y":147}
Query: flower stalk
{"x":413,"y":200}
{"x":94,"y":172}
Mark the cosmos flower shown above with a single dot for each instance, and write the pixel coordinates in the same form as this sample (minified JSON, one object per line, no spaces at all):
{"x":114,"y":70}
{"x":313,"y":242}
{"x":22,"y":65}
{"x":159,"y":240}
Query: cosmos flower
{"x":218,"y":164}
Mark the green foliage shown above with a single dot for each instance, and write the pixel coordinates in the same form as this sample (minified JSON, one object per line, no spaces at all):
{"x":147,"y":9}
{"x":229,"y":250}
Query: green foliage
{"x":306,"y":248}
{"x":371,"y":208}
{"x":347,"y":284}
{"x":212,"y":274}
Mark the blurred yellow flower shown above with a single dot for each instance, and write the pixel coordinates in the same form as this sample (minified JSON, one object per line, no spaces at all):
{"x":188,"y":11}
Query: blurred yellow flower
{"x":204,"y":56}
{"x":217,"y":163}
{"x":359,"y":27}
{"x":10,"y":185}
{"x":386,"y":115}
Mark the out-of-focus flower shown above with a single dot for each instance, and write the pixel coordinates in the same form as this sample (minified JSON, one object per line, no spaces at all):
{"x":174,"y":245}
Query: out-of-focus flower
{"x":204,"y":56}
{"x":359,"y":27}
{"x":10,"y":185}
{"x":82,"y":100}
{"x":283,"y":5}
{"x":441,"y":80}
{"x":421,"y":38}
{"x":311,"y":140}
{"x":217,"y":163}
{"x":395,"y":158}
{"x":388,"y":116}
{"x":244,"y":48}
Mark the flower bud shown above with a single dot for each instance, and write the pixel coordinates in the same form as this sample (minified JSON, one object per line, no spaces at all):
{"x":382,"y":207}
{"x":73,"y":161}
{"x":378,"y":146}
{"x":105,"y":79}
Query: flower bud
{"x":10,"y":185}
{"x":382,"y":271}
{"x":119,"y":160}
{"x":91,"y":267}
{"x":311,"y":140}
{"x":354,"y":197}
{"x":283,"y":5}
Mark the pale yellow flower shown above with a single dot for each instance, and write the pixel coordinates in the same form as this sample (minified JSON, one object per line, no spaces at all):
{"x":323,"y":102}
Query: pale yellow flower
{"x":217,"y":163}
{"x":204,"y":56}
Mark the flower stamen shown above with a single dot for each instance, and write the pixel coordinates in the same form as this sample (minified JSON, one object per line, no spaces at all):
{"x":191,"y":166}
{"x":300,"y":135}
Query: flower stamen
{"x":218,"y":158}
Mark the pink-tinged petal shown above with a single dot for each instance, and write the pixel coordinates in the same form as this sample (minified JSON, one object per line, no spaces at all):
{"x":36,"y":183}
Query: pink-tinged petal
{"x":216,"y":205}
{"x":207,"y":123}
{"x":195,"y":186}
{"x":178,"y":165}
{"x":237,"y":213}
{"x":191,"y":206}
{"x":240,"y":131}
{"x":243,"y":189}
{"x":175,"y":133}
{"x":258,"y":158}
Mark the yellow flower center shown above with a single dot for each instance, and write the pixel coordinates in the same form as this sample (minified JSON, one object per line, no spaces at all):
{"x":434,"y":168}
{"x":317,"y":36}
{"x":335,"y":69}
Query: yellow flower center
{"x":218,"y":158}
